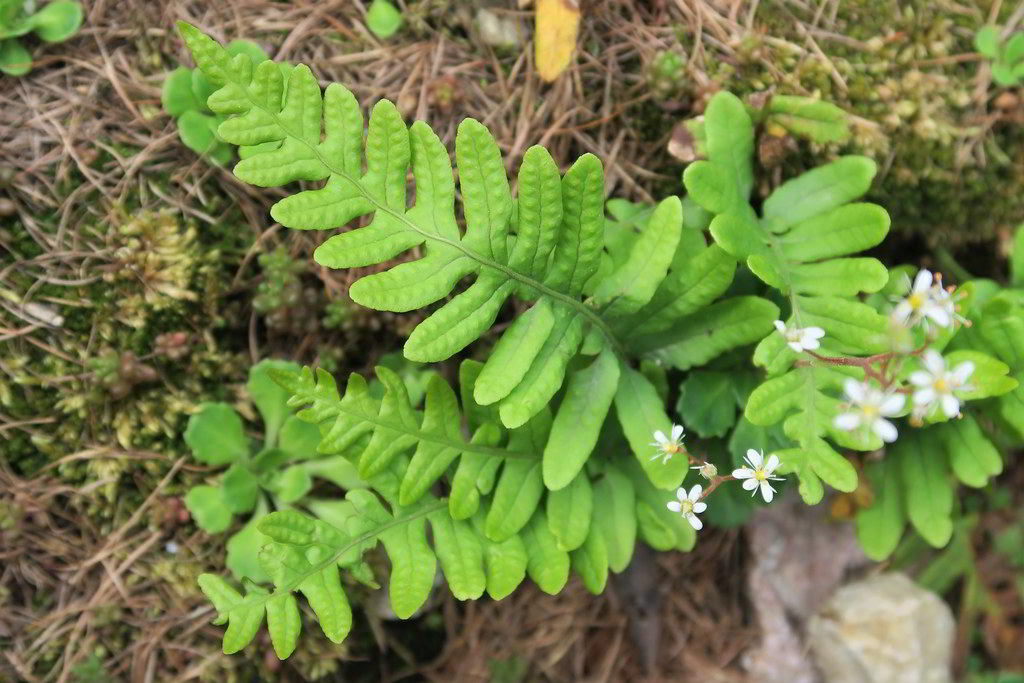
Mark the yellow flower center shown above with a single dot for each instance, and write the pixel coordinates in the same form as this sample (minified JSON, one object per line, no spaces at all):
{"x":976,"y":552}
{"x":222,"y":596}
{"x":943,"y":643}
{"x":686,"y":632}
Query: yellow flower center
{"x":870,"y":411}
{"x":941,"y":385}
{"x":916,"y":301}
{"x":670,"y":447}
{"x":760,"y":475}
{"x":685,"y":507}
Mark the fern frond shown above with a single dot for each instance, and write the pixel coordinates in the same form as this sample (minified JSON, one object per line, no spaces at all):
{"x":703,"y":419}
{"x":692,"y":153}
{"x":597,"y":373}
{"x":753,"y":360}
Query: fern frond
{"x":801,"y":244}
{"x":546,"y":251}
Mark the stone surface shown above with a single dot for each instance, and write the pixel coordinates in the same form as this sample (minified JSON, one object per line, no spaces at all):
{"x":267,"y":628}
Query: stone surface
{"x":883,"y":629}
{"x":800,"y":558}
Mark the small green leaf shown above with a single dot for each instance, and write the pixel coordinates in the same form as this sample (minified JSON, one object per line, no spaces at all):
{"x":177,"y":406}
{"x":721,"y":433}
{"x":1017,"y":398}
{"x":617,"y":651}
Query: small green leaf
{"x":215,"y":435}
{"x":291,"y":484}
{"x":986,"y":41}
{"x":177,"y":96}
{"x":208,"y":508}
{"x":243,"y":549}
{"x":928,"y":489}
{"x":271,"y":398}
{"x":241,"y":488}
{"x":706,"y":403}
{"x":973,"y":457}
{"x":14,"y":58}
{"x":880,"y":526}
{"x":57,"y":21}
{"x":383,"y":18}
{"x":298,"y":439}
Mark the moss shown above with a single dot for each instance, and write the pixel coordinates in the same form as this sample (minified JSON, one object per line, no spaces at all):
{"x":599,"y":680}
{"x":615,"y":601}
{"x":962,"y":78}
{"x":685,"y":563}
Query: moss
{"x":944,"y":177}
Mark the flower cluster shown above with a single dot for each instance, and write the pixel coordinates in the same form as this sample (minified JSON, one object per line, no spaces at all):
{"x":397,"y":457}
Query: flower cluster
{"x":756,"y":476}
{"x":870,"y":404}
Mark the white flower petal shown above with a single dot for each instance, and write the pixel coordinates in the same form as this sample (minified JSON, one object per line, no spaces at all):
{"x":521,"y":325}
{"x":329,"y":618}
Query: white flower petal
{"x":925,"y":397}
{"x":742,"y":473}
{"x":772,"y":464}
{"x":885,"y":430}
{"x":950,"y":405}
{"x":892,"y":404}
{"x":659,"y":436}
{"x":795,"y":346}
{"x":674,"y":506}
{"x":700,"y":507}
{"x":681,"y":494}
{"x":814,"y":332}
{"x":780,"y":326}
{"x":677,"y":431}
{"x":767,"y":492}
{"x":902,"y":311}
{"x":848,"y":421}
{"x":694,"y":521}
{"x":933,"y":361}
{"x":920,"y":378}
{"x":855,"y":391}
{"x":749,"y":484}
{"x":938,"y":315}
{"x":809,"y":343}
{"x":695,"y":493}
{"x":755,"y":458}
{"x":923,"y":280}
{"x":962,"y":372}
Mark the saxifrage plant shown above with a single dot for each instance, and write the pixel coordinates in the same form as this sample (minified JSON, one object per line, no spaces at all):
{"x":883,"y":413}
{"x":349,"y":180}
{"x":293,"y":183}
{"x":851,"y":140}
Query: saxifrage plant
{"x":557,"y":452}
{"x":54,"y":22}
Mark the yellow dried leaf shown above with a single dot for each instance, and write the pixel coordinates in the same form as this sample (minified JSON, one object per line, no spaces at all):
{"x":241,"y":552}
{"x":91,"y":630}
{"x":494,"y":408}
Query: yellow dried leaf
{"x":558,"y":22}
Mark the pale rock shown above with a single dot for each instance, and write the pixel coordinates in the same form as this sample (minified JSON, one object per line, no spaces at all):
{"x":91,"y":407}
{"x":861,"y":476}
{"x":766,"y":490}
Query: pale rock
{"x":499,"y":31}
{"x":883,"y":629}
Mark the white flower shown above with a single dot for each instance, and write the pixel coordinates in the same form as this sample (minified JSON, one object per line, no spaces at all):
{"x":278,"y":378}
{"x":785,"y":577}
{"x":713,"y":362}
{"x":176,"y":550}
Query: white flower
{"x":869,"y":408}
{"x":689,"y":505}
{"x":706,"y":470}
{"x":800,"y":338}
{"x":924,"y":302}
{"x":172,"y":547}
{"x":758,"y":473}
{"x":667,"y":447}
{"x":948,"y":301}
{"x":937,"y":385}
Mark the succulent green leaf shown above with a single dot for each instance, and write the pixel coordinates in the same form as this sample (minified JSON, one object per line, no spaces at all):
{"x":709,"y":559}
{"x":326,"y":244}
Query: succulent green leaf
{"x":208,"y":508}
{"x":270,"y":398}
{"x":14,"y":58}
{"x":57,"y":21}
{"x":241,"y":488}
{"x":590,"y":561}
{"x":461,"y":554}
{"x":986,"y":41}
{"x":383,"y":18}
{"x":215,"y":435}
{"x":819,"y":121}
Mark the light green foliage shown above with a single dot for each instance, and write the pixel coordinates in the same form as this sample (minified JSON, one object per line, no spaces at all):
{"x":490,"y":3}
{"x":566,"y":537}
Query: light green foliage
{"x":1007,"y":56}
{"x":493,"y":529}
{"x":279,"y":473}
{"x":800,"y":245}
{"x":184,"y":97}
{"x":383,"y":18}
{"x":543,"y":460}
{"x":54,"y":22}
{"x":647,"y":292}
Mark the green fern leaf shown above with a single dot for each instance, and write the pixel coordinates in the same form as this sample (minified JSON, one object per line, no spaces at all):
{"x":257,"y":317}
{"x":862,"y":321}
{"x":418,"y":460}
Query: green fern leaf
{"x":801,"y":245}
{"x":549,"y":254}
